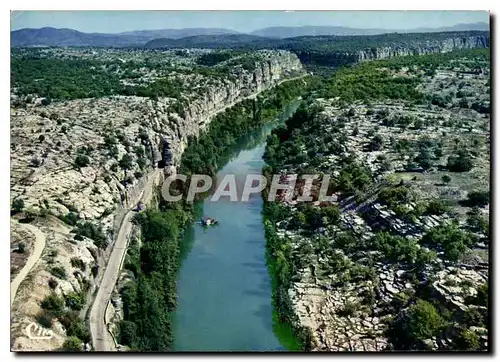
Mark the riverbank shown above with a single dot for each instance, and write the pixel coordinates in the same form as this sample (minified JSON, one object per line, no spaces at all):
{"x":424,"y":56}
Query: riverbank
{"x":393,"y":263}
{"x":149,"y":295}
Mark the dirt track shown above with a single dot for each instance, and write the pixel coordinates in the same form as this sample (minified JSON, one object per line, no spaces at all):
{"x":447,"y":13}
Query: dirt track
{"x":32,"y":259}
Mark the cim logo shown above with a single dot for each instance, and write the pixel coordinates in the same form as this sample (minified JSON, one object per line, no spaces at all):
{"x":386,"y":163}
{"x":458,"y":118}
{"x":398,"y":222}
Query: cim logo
{"x":34,"y":331}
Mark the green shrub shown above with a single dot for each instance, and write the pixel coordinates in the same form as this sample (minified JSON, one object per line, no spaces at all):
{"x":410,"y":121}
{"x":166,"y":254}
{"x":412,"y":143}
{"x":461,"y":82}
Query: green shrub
{"x":53,"y":283}
{"x":82,"y":160}
{"x":437,"y":207}
{"x":78,"y":263}
{"x":21,"y":248}
{"x":420,"y":321}
{"x":127,"y":162}
{"x":478,"y":198}
{"x":70,"y":218}
{"x":141,"y":162}
{"x":59,"y":272}
{"x":128,"y":333}
{"x":348,"y":310}
{"x":73,"y":344}
{"x":44,"y":319}
{"x":93,"y":232}
{"x":53,"y":303}
{"x":449,"y":237}
{"x":75,"y":301}
{"x":18,"y":205}
{"x":467,"y":340}
{"x":460,"y":163}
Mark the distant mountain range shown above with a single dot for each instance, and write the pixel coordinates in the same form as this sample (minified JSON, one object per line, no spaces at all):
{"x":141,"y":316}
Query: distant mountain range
{"x":179,"y":33}
{"x":289,"y":32}
{"x":69,"y":37}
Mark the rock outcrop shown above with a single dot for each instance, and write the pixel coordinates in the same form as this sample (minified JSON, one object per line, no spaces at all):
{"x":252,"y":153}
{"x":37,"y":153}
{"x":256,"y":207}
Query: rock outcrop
{"x":390,"y":49}
{"x":421,"y":48}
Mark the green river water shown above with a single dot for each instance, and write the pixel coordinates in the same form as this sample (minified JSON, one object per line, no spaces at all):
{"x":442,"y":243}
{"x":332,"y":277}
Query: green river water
{"x":223,"y":286}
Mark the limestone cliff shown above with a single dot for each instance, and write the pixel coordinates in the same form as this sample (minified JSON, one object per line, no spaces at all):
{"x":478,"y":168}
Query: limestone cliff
{"x":391,"y":49}
{"x":427,"y":47}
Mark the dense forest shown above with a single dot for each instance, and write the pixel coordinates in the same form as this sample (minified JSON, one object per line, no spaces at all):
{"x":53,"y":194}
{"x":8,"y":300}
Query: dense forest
{"x":74,"y":78}
{"x":150,"y":297}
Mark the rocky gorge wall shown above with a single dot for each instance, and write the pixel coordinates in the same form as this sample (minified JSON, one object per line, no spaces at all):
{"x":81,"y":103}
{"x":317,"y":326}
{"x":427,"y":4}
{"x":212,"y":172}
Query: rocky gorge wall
{"x":342,"y":58}
{"x":428,"y":47}
{"x":277,"y":68}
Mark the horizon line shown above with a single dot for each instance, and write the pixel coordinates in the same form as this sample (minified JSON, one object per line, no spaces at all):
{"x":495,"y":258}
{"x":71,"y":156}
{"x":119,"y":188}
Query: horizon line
{"x":248,"y":32}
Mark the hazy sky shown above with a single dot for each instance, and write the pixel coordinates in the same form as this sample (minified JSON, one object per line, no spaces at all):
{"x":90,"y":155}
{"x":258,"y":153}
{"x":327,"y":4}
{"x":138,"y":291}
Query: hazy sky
{"x":244,"y":21}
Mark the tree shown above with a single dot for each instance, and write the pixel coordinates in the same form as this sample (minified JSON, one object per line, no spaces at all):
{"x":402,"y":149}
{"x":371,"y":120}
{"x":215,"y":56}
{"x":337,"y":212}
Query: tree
{"x":438,"y":152}
{"x":418,"y":124}
{"x":46,"y":101}
{"x":476,"y":221}
{"x":395,"y":195}
{"x":70,"y":218}
{"x":53,"y":283}
{"x":314,"y":216}
{"x":421,"y":321}
{"x":53,"y":303}
{"x":473,"y":316}
{"x":424,"y":159}
{"x":128,"y":333}
{"x":478,"y":198}
{"x":448,"y":236}
{"x":331,"y":213}
{"x":376,"y":143}
{"x":424,"y":258}
{"x":59,"y":271}
{"x":141,"y":162}
{"x":21,"y":248}
{"x":73,"y":344}
{"x":463,"y":103}
{"x":437,"y":207}
{"x":75,"y":301}
{"x":82,"y":160}
{"x":127,"y":162}
{"x":35,"y":161}
{"x":446,"y":179}
{"x":18,"y":205}
{"x":482,"y":295}
{"x":301,"y":219}
{"x":467,"y":340}
{"x":460,"y":163}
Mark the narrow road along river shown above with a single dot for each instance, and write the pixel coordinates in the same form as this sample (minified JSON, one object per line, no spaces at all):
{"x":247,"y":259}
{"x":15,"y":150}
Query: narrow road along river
{"x":224,"y":289}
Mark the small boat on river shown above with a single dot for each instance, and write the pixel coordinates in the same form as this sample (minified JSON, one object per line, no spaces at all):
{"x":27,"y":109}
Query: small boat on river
{"x":208,"y":221}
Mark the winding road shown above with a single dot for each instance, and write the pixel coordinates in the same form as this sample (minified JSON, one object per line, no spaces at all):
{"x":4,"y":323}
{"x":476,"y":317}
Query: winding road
{"x":32,"y":259}
{"x":102,"y":340}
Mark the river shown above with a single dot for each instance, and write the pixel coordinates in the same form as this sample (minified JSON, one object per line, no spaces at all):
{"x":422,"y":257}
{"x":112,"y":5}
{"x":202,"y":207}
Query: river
{"x":224,"y":290}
